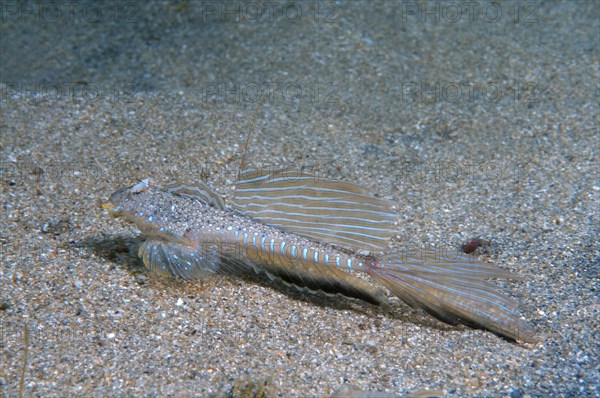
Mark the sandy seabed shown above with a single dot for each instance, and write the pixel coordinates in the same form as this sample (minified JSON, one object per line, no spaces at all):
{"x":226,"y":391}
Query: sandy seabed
{"x":482,"y":126}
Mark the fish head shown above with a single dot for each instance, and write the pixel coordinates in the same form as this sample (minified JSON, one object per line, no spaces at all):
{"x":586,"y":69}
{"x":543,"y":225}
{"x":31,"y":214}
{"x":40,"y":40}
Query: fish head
{"x":148,"y":207}
{"x":123,"y":199}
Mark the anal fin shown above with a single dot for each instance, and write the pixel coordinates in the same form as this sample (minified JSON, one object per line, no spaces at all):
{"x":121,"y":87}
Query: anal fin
{"x":317,"y":277}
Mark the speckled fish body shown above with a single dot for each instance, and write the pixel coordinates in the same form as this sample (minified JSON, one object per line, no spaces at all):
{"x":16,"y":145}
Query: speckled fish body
{"x":188,"y":238}
{"x":307,"y":232}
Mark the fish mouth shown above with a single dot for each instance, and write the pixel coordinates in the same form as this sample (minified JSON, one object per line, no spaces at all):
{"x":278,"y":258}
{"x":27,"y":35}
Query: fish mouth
{"x":113,"y":211}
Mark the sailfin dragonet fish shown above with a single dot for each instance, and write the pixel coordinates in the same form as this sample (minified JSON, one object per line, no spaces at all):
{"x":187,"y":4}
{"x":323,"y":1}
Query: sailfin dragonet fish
{"x":307,"y":231}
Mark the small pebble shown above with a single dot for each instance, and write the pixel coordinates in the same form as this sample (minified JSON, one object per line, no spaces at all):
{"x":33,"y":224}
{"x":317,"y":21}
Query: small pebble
{"x":471,"y":245}
{"x":516,"y":393}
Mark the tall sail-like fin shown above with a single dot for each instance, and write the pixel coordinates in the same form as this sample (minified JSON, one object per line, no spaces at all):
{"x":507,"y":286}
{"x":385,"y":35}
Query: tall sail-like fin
{"x":319,"y":209}
{"x":454,"y":290}
{"x":198,"y":191}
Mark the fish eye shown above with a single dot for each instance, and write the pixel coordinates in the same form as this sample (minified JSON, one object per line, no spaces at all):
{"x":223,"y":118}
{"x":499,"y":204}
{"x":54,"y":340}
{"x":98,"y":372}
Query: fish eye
{"x":140,"y":187}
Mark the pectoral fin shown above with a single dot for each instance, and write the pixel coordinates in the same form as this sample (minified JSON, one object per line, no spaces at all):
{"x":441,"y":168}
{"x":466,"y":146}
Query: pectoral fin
{"x":171,"y":259}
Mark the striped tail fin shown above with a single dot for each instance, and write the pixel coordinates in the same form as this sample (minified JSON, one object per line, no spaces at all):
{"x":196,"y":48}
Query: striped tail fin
{"x":453,"y":290}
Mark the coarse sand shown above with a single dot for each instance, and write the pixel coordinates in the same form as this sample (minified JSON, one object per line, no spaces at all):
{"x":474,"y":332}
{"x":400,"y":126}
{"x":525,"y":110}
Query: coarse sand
{"x":480,"y":119}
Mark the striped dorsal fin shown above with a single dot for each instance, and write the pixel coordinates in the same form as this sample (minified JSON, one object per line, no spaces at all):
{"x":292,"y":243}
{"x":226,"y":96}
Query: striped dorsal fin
{"x":324,"y":210}
{"x":198,"y":191}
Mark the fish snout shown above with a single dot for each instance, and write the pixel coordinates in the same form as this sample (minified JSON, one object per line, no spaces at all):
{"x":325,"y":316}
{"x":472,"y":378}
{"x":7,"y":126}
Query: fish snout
{"x":113,"y":209}
{"x":114,"y":204}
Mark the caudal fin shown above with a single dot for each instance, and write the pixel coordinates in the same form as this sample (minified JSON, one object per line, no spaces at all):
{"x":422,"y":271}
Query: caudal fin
{"x":454,"y":290}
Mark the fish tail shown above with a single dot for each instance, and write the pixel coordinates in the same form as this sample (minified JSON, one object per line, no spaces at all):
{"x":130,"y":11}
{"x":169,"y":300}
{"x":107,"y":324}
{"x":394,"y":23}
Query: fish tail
{"x":454,"y":290}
